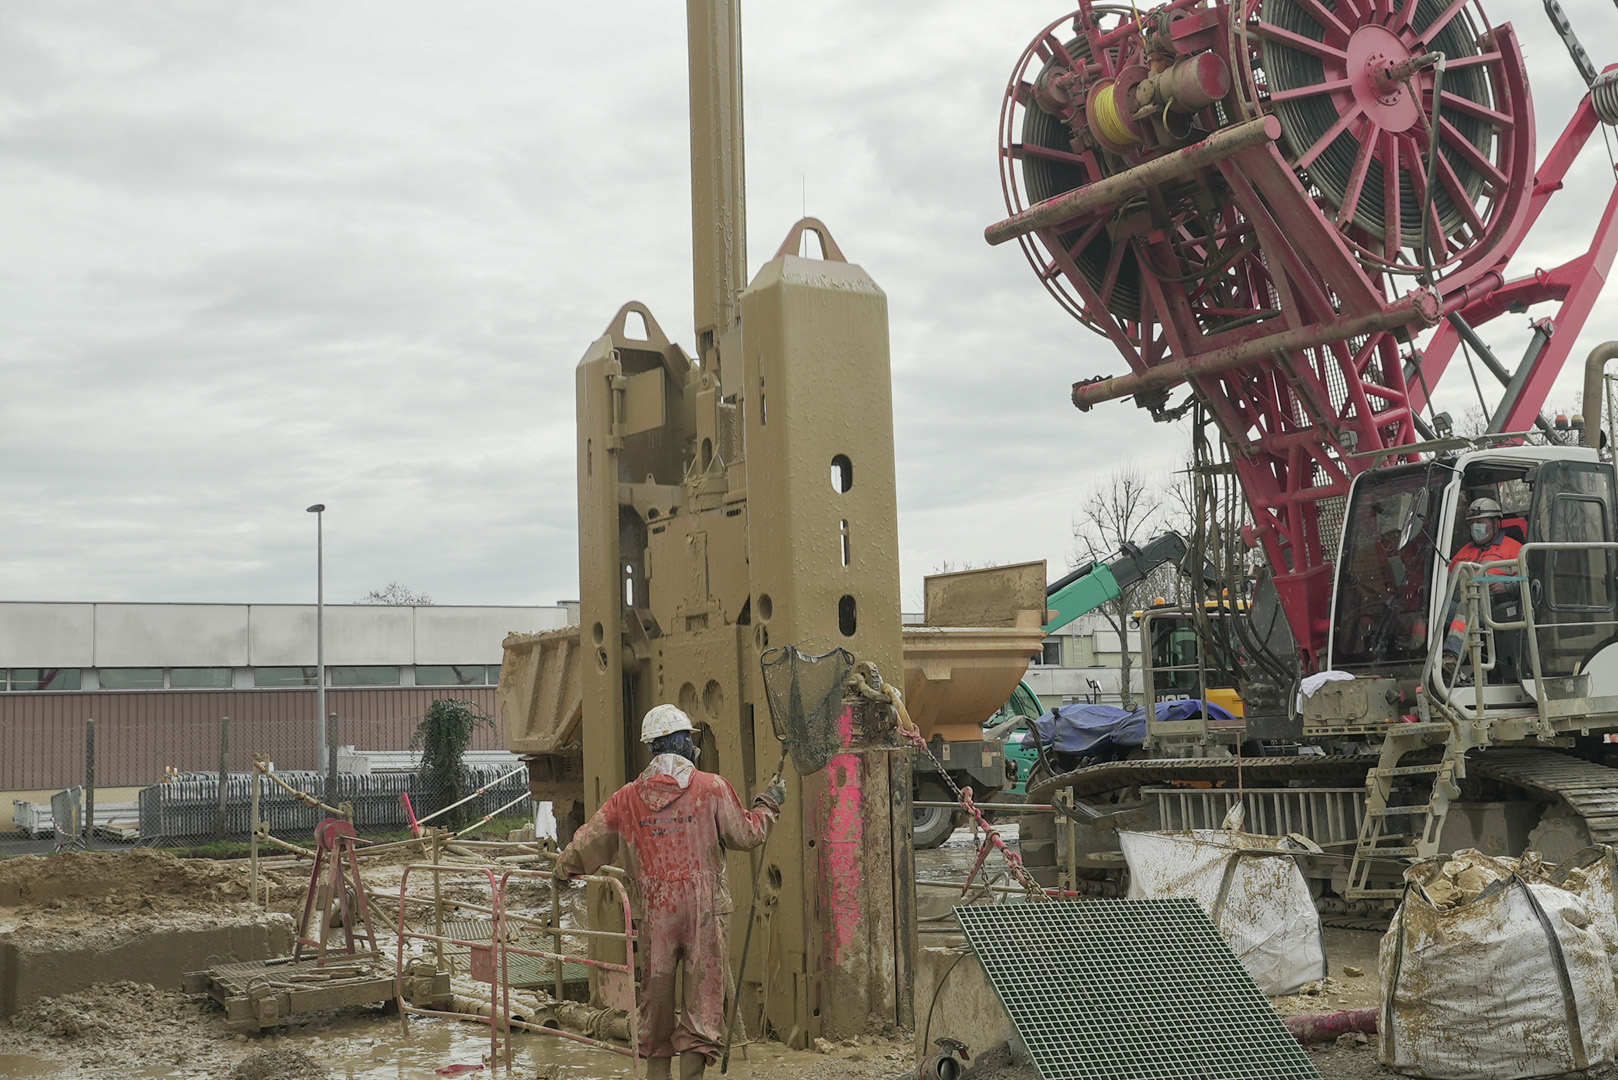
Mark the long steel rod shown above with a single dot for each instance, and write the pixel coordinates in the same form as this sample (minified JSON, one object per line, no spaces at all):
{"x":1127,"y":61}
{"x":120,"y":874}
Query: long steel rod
{"x":1420,"y":308}
{"x":475,"y":794}
{"x":1222,"y":144}
{"x":998,"y":808}
{"x":320,"y":644}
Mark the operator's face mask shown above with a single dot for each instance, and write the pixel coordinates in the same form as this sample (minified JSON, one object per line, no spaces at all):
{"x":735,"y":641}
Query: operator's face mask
{"x":1481,"y":530}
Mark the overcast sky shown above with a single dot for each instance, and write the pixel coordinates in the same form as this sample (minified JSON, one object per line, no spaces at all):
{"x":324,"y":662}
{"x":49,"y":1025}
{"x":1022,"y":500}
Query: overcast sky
{"x":260,"y":255}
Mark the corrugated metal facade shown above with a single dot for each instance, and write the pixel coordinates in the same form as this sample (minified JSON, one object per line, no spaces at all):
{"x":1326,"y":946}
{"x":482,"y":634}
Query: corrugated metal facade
{"x":140,"y":733}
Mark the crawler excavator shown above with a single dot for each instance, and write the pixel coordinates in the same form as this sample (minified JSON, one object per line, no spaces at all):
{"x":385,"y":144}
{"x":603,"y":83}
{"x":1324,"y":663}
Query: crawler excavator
{"x":1288,"y":216}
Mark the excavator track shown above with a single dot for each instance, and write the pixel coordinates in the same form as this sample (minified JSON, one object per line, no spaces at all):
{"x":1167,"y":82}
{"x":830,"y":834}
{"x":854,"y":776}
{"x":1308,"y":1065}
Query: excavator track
{"x":1590,"y":790}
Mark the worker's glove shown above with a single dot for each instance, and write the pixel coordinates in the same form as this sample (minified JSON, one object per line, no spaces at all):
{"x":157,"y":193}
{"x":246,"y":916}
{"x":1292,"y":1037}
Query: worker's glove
{"x":775,"y":795}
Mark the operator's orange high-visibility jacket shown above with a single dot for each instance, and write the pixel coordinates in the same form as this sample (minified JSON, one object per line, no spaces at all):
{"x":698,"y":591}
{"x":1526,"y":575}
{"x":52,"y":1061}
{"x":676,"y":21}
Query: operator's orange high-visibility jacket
{"x":1503,"y":547}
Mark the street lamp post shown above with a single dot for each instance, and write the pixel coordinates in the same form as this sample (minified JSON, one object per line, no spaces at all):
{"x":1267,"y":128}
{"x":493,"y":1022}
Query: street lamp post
{"x":319,"y":510}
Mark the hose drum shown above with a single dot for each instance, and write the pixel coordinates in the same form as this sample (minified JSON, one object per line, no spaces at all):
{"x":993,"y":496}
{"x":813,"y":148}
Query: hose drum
{"x":1604,"y":96}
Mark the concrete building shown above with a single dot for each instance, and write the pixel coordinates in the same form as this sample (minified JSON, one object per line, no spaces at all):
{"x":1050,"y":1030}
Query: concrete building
{"x":159,"y":678}
{"x":1082,"y":663}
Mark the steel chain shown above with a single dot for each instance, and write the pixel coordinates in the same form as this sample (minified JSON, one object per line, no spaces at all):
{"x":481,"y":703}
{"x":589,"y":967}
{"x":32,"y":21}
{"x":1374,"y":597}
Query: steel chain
{"x":991,"y":835}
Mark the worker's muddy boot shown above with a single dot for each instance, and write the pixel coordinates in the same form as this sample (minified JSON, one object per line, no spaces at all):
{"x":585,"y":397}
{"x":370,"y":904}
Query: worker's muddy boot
{"x":692,"y":1065}
{"x":659,"y":1068}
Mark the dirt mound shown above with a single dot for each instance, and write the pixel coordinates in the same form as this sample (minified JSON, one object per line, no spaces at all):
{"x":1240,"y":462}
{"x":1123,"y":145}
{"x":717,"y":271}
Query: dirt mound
{"x":122,"y":1028}
{"x":143,"y":876}
{"x":280,"y":1065}
{"x":107,"y":1009}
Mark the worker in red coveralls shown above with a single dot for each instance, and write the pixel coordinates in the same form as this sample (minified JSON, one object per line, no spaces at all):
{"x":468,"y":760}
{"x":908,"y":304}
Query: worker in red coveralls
{"x":669,"y":828}
{"x":1488,"y":544}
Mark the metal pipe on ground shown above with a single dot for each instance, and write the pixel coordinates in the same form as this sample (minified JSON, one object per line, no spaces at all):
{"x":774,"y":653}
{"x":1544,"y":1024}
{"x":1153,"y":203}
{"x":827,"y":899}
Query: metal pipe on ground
{"x":1324,"y":1027}
{"x":1593,"y":366}
{"x":934,"y":1067}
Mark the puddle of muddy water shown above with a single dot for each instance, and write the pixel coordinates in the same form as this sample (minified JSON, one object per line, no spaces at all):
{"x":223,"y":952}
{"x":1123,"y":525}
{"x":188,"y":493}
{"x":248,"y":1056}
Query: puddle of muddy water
{"x":21,"y":1066}
{"x":371,"y":1048}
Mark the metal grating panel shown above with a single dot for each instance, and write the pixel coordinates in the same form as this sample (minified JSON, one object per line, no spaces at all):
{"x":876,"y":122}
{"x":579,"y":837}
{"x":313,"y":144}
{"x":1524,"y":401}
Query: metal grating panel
{"x":522,"y":971}
{"x":1130,"y":990}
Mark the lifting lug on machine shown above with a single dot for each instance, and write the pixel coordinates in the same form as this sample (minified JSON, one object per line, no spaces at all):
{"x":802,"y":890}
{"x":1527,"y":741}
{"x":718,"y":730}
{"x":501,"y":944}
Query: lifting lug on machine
{"x":1275,"y":202}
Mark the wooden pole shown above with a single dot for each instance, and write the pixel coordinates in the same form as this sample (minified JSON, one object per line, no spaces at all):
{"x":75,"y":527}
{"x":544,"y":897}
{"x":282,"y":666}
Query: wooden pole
{"x":438,"y":901}
{"x":89,"y":785}
{"x":224,"y":775}
{"x":331,"y":759}
{"x":252,"y":828}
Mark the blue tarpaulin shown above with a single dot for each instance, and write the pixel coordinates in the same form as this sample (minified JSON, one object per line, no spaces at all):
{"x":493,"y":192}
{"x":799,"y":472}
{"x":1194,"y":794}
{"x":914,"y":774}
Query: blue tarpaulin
{"x":1086,"y":729}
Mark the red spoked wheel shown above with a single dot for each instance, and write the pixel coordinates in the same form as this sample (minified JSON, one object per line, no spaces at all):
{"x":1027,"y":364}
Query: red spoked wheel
{"x":1353,"y":84}
{"x":1037,"y":159}
{"x":1103,"y":272}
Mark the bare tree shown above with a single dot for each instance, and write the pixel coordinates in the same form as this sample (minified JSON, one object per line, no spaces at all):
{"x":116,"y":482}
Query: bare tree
{"x":1123,"y":509}
{"x":394,"y":593}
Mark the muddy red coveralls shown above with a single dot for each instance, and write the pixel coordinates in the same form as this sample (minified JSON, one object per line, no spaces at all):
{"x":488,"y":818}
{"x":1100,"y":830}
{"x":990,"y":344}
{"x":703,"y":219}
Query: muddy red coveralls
{"x":668,"y":828}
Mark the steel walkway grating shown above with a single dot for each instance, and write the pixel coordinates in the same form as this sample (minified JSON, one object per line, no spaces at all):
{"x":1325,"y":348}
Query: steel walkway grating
{"x":1130,"y":990}
{"x":523,"y":972}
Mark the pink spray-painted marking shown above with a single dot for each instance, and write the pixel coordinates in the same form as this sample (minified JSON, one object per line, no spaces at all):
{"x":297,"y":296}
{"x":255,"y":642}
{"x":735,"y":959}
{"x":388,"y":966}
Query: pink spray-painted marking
{"x":841,"y":842}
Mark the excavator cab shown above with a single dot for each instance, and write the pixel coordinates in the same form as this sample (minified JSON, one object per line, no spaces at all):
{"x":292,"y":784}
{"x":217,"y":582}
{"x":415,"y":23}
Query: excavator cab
{"x":1551,"y":623}
{"x":1178,"y":667}
{"x":1385,"y":569}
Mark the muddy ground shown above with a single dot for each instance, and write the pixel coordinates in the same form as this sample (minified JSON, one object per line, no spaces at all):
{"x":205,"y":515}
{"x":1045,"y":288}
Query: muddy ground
{"x":134,"y":1030}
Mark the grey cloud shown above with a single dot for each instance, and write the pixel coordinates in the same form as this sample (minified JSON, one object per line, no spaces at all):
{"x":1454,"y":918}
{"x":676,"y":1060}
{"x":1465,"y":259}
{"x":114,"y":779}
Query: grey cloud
{"x":264,"y":255}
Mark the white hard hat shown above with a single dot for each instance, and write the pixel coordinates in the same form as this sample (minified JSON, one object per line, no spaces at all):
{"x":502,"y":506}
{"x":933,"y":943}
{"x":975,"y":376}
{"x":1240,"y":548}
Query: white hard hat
{"x":664,"y":720}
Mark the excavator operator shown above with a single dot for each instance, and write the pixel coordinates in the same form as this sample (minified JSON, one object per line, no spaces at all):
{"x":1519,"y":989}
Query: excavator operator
{"x":671,"y":825}
{"x":1487,"y":544}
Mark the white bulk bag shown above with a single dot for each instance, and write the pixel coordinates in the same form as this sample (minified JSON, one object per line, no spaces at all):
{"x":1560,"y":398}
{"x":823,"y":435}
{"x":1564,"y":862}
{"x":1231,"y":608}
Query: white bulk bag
{"x":1487,"y":975}
{"x":1255,"y":895}
{"x":1593,"y":874}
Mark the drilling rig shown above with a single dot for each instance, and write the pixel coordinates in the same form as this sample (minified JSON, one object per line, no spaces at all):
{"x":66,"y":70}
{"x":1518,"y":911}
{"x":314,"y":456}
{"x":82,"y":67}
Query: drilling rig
{"x":1288,"y":216}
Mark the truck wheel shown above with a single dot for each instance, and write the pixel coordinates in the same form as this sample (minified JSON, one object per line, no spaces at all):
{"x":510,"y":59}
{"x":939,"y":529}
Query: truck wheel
{"x":931,"y":826}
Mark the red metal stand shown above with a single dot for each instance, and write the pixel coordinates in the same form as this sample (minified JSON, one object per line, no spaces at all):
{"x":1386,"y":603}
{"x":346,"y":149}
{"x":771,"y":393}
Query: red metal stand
{"x":336,"y":894}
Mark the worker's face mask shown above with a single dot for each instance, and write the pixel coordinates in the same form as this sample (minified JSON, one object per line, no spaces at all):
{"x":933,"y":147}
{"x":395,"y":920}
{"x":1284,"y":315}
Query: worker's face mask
{"x":1481,"y":531}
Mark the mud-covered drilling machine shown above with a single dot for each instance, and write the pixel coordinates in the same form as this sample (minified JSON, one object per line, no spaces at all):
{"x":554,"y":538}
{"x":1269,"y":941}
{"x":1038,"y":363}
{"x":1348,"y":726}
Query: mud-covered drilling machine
{"x":1288,"y":216}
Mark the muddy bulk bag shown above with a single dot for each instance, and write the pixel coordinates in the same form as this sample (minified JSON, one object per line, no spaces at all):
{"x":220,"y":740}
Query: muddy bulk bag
{"x":1488,"y":974}
{"x":1251,"y":889}
{"x":1593,"y":874}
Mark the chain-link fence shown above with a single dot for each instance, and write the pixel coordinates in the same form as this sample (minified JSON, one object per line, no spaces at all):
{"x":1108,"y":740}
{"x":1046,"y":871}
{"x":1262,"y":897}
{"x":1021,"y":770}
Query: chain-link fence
{"x":189,"y":783}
